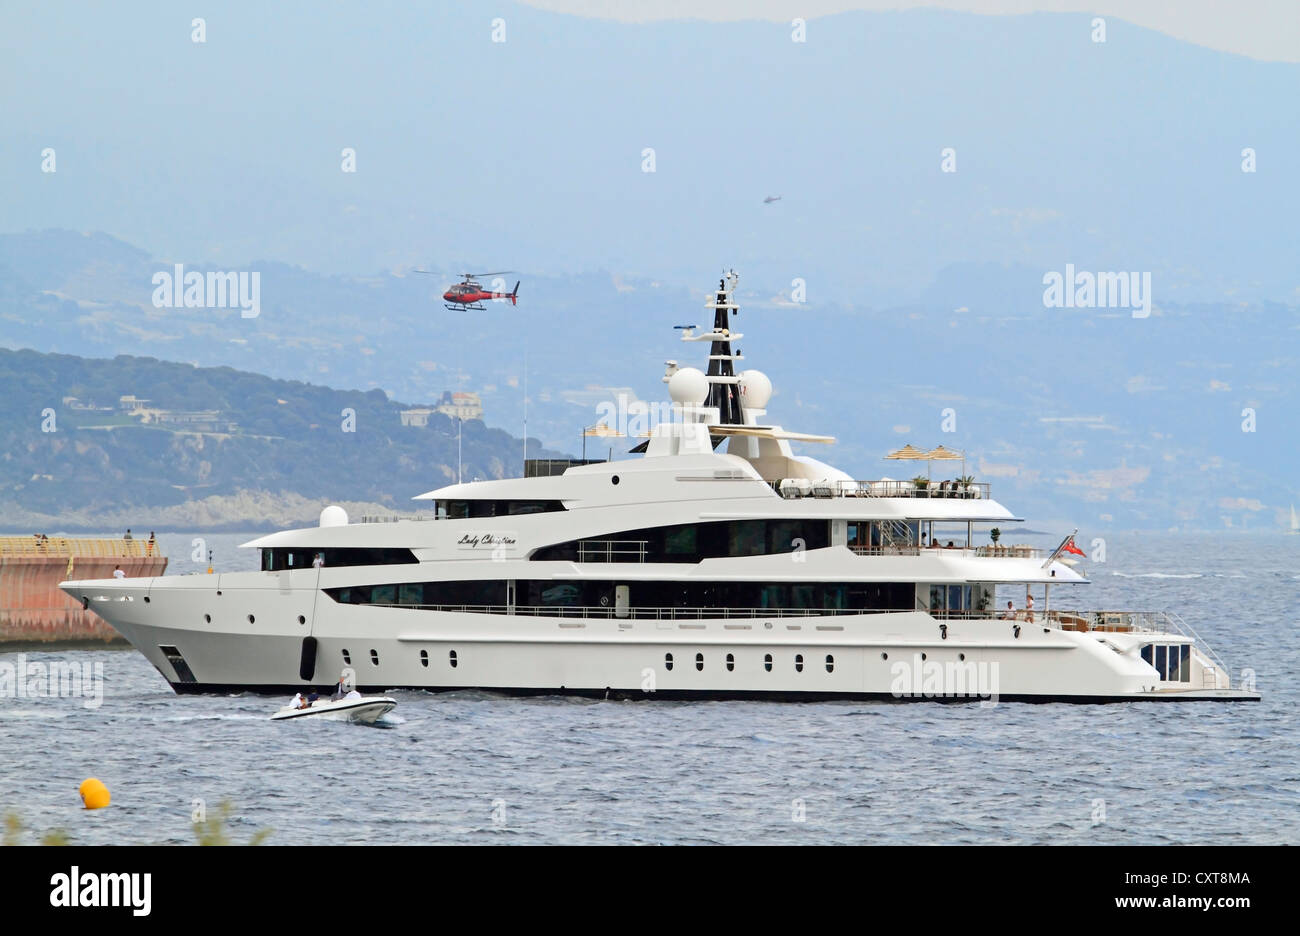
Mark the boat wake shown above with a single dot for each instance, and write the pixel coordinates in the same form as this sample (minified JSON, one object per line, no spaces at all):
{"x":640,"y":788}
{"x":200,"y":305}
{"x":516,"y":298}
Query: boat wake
{"x":1160,"y":575}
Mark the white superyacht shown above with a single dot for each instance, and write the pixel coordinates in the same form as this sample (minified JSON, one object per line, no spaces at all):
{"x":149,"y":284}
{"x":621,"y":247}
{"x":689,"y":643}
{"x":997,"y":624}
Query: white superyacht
{"x":718,"y":564}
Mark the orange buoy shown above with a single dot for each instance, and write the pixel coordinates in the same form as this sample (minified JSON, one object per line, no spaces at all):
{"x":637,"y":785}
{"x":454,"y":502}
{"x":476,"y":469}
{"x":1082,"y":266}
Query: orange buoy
{"x":94,"y":795}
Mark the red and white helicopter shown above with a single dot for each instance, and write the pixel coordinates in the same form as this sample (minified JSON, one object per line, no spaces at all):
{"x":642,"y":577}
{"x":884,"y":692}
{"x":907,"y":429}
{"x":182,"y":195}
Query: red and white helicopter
{"x":470,"y":294}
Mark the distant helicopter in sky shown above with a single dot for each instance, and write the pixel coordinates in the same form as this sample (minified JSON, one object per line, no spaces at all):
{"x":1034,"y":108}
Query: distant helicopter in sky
{"x":470,"y":294}
{"x":771,"y":198}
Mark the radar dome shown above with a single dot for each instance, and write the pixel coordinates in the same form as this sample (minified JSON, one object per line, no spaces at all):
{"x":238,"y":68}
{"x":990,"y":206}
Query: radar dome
{"x":755,"y":389}
{"x":333,"y":516}
{"x":688,"y":386}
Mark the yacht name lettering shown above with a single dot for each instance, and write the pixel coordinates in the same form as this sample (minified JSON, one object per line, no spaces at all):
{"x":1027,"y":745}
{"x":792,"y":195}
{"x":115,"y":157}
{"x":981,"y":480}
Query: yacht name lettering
{"x":484,"y":540}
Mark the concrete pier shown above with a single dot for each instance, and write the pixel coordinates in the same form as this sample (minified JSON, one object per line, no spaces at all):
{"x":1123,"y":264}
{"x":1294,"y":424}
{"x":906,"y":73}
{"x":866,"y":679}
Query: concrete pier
{"x":34,"y":610}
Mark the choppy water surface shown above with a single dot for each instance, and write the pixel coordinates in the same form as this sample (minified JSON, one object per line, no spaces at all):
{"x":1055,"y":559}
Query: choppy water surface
{"x":560,"y":770}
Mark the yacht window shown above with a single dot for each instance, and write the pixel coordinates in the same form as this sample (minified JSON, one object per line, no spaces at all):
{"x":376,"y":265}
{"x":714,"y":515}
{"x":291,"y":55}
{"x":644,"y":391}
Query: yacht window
{"x":594,"y":597}
{"x":278,"y":559}
{"x":681,"y":540}
{"x":693,"y":542}
{"x":1180,"y":668}
{"x":1172,"y":661}
{"x":467,"y":509}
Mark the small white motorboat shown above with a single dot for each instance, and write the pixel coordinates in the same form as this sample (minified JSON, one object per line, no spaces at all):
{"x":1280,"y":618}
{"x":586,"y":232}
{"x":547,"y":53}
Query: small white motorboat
{"x":365,"y":710}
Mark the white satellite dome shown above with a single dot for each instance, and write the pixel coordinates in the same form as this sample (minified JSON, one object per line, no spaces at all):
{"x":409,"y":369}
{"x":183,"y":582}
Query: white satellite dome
{"x":333,"y":516}
{"x":755,"y":389}
{"x":688,"y":386}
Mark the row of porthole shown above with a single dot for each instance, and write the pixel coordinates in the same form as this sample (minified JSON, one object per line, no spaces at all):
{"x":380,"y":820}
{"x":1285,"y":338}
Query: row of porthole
{"x":767,"y":662}
{"x":424,"y":657}
{"x":207,"y":619}
{"x":960,"y":656}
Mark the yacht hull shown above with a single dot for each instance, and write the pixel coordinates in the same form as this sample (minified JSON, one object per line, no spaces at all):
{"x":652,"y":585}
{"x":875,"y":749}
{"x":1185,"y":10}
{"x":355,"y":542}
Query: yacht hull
{"x":274,"y":640}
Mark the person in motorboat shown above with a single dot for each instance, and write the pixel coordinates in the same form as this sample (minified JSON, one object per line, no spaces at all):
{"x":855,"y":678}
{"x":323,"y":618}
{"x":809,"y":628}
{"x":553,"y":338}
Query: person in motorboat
{"x":297,"y":701}
{"x":347,"y":680}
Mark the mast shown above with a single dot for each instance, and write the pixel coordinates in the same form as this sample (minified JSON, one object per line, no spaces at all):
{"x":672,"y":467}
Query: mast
{"x":723,"y":389}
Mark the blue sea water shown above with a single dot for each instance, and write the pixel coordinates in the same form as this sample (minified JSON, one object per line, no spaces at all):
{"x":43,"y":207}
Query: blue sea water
{"x":472,"y":767}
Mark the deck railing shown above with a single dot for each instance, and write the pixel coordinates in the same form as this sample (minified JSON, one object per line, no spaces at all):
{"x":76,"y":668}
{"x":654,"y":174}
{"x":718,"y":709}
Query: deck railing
{"x":612,"y":550}
{"x":800,"y":487}
{"x":980,"y":552}
{"x":64,"y":546}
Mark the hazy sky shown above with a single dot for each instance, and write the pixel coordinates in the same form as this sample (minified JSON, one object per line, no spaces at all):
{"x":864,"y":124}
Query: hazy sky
{"x":1261,"y":29}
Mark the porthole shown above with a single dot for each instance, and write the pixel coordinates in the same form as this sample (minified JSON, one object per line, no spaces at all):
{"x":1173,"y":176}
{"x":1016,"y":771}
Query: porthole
{"x":207,"y":619}
{"x":301,"y":619}
{"x":218,"y":592}
{"x":961,"y":656}
{"x":923,"y":656}
{"x":146,"y":599}
{"x":251,"y":619}
{"x":668,"y":661}
{"x":374,"y":657}
{"x":767,"y":662}
{"x":699,"y":661}
{"x":731,"y":662}
{"x":798,"y":662}
{"x":614,"y":480}
{"x":347,"y":657}
{"x":830,"y":663}
{"x":884,"y":656}
{"x":424,"y":657}
{"x":451,"y":658}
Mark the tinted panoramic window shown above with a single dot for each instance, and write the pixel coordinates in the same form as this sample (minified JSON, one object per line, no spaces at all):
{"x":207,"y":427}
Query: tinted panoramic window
{"x":597,"y":598}
{"x":468,"y":509}
{"x":693,"y":542}
{"x":424,"y":594}
{"x":279,"y":559}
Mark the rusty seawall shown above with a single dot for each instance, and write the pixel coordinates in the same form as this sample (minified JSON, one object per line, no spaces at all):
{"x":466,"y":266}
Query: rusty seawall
{"x":32,"y":607}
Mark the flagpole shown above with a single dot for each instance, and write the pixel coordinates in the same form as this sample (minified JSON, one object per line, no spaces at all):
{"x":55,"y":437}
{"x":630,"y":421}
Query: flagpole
{"x":1059,"y":549}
